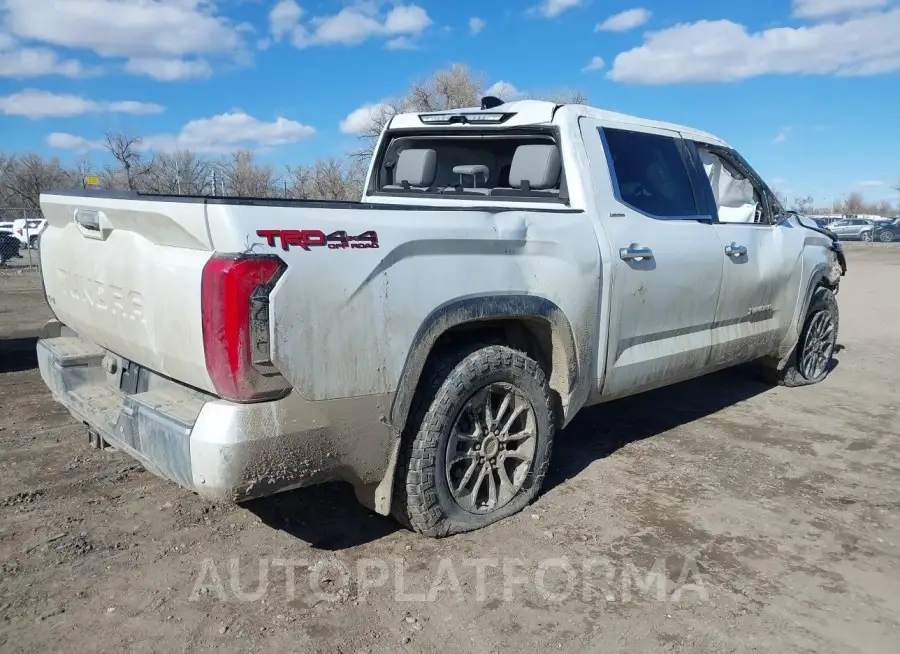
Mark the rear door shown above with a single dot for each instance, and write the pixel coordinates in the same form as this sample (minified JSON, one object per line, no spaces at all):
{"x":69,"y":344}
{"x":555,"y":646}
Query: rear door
{"x":667,"y":269}
{"x":762,"y":258}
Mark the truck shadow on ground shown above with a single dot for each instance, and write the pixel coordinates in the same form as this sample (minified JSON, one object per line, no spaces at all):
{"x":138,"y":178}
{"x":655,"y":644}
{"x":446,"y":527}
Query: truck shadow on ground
{"x":328,"y":517}
{"x":18,"y":354}
{"x":602,"y":430}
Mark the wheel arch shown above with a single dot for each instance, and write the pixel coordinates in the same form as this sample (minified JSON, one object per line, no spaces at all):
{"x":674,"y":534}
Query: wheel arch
{"x":818,"y":278}
{"x":532,"y":323}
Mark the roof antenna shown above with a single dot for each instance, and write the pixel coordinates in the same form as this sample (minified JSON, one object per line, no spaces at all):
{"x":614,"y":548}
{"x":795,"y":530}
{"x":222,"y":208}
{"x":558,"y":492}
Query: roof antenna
{"x":489,"y":102}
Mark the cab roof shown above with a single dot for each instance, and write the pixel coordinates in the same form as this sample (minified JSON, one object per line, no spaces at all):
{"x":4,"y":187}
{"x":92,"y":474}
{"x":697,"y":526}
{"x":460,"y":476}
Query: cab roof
{"x":540,"y":112}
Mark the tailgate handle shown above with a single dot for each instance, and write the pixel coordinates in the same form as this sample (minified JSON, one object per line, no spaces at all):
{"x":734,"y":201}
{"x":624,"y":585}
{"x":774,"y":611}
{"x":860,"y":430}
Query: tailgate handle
{"x":88,"y":221}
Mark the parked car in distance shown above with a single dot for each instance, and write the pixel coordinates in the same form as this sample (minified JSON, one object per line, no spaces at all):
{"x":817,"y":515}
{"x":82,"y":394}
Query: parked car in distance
{"x":9,"y":247}
{"x":507,"y":267}
{"x":28,"y":231}
{"x":853,"y":229}
{"x":887,"y":231}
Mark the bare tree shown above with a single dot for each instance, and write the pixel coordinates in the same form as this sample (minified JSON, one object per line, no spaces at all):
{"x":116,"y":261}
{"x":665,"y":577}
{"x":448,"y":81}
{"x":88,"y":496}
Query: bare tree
{"x":25,"y":178}
{"x":296,"y":182}
{"x":332,"y":179}
{"x":242,"y":176}
{"x":125,"y":150}
{"x":803,"y":205}
{"x":181,"y":172}
{"x":854,"y":204}
{"x":561,"y":97}
{"x":884,"y":208}
{"x":451,"y":88}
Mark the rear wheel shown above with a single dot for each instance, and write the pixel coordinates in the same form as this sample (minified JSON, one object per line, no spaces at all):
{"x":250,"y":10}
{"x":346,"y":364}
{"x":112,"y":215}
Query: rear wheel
{"x":33,"y":242}
{"x":811,"y":360}
{"x":866,"y":236}
{"x":480,"y":451}
{"x":886,"y":236}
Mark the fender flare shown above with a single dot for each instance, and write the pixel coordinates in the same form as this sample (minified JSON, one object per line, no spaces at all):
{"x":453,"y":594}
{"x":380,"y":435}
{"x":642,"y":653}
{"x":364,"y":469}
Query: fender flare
{"x":475,"y":309}
{"x":820,"y":273}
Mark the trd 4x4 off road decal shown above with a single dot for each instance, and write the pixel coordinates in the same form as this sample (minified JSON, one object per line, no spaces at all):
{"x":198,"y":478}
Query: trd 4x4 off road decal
{"x":316,"y":238}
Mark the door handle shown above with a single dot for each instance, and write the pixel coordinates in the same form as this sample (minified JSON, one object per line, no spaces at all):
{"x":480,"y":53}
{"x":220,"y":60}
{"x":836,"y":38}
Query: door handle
{"x":635,"y":252}
{"x":735,"y":250}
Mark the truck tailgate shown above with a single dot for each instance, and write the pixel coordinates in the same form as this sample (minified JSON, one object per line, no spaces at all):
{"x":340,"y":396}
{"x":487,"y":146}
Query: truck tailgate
{"x":126,"y":274}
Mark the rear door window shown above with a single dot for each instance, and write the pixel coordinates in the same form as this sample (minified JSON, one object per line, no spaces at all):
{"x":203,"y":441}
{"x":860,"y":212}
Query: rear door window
{"x":650,"y":174}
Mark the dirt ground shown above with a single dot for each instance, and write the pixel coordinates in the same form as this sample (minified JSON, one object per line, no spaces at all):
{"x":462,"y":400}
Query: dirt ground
{"x":22,"y":308}
{"x":769,"y":514}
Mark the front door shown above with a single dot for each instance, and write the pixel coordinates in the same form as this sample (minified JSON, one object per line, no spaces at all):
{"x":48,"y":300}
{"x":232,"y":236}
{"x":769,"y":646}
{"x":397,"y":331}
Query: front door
{"x":763,"y":263}
{"x":667,"y":266}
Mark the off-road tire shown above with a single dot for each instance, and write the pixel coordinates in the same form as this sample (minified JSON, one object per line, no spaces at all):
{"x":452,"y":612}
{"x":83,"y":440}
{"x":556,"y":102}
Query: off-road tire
{"x":422,"y":499}
{"x":822,"y":300}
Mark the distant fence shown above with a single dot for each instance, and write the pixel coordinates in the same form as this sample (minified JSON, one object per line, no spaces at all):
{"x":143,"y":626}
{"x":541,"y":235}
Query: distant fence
{"x":21,"y":223}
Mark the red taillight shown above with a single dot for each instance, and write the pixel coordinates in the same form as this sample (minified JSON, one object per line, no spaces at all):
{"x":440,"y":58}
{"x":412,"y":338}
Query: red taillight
{"x":234,"y":302}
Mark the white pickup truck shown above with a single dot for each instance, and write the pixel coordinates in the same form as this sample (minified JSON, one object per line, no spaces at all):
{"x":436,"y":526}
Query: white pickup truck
{"x":508,"y":266}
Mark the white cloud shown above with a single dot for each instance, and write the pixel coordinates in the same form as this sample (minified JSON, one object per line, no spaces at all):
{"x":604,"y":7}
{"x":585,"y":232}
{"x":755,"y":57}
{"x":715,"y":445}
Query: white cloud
{"x":408,"y":19}
{"x":596,"y":63}
{"x":169,"y":70}
{"x":359,"y":119}
{"x":782,"y":135}
{"x":722,"y":51}
{"x":284,"y":18}
{"x":820,"y":8}
{"x":127,"y":29}
{"x":553,"y":8}
{"x":401,"y":43}
{"x":624,"y":21}
{"x":871,"y":183}
{"x":476,"y":25}
{"x":505,"y":91}
{"x":35,"y":104}
{"x":230,"y":131}
{"x":63,"y":141}
{"x":358,"y":23}
{"x":35,"y":62}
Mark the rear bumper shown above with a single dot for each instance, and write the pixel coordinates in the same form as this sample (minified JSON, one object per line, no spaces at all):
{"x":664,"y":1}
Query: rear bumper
{"x":219,"y":449}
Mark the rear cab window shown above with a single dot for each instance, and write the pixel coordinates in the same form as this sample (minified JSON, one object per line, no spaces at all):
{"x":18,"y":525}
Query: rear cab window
{"x":520,"y":164}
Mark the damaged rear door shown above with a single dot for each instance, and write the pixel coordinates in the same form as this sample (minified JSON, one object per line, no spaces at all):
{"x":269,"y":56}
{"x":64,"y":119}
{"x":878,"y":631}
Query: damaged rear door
{"x":666,"y":272}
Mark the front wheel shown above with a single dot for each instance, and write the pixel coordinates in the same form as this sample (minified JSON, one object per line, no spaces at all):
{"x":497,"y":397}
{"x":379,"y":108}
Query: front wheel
{"x":480,"y":452}
{"x":811,"y":360}
{"x":33,"y":242}
{"x":886,"y":236}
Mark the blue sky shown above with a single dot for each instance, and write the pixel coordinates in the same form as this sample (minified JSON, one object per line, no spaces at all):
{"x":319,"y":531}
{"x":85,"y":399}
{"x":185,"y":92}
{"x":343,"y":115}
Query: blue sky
{"x":807,"y":90}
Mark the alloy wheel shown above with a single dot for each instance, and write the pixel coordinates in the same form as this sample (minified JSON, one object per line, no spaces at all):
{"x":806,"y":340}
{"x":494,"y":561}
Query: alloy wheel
{"x":491,"y":448}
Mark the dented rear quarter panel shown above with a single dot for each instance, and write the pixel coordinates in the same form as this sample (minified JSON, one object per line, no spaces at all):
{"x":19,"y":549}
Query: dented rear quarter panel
{"x":345,"y":320}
